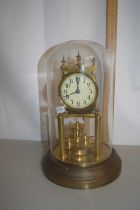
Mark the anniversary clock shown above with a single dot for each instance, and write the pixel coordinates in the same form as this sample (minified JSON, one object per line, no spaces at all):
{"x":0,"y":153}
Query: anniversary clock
{"x":80,"y":115}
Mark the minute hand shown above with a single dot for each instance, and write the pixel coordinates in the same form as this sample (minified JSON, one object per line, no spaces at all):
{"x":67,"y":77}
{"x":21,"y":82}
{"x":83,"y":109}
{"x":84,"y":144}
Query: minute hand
{"x":77,"y":80}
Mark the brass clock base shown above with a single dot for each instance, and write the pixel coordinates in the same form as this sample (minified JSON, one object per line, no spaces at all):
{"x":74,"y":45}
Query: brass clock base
{"x":78,"y":177}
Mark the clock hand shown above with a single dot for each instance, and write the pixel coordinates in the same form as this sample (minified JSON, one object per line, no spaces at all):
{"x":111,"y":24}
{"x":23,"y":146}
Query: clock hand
{"x":78,"y":91}
{"x":70,"y":94}
{"x":77,"y":80}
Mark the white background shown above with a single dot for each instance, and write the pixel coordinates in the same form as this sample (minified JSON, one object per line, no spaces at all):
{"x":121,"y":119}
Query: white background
{"x":29,"y":27}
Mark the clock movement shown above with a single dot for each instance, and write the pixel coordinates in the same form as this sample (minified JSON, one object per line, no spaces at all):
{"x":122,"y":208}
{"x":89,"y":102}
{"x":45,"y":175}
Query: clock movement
{"x":80,"y":115}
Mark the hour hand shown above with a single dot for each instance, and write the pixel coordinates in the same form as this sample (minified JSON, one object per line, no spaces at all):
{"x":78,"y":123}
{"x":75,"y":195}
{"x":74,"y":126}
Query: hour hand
{"x":67,"y":96}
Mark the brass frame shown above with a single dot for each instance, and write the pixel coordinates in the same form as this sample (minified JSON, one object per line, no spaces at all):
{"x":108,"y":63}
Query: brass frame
{"x":90,"y":106}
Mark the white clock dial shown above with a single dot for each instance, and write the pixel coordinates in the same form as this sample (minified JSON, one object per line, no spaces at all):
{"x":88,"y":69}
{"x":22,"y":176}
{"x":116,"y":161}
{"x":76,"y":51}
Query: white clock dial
{"x":78,"y":91}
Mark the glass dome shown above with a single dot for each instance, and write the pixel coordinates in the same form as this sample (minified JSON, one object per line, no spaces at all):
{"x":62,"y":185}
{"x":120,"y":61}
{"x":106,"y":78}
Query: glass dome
{"x":79,"y":77}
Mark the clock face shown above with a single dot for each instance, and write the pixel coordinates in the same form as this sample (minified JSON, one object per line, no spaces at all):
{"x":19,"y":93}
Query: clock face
{"x":78,"y":91}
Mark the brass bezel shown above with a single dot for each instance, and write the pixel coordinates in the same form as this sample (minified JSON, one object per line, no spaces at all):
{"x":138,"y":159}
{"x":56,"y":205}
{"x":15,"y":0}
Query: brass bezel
{"x":85,"y":109}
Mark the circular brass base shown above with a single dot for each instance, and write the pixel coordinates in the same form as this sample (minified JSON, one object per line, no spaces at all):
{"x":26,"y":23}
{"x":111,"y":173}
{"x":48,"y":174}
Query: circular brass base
{"x":78,"y":177}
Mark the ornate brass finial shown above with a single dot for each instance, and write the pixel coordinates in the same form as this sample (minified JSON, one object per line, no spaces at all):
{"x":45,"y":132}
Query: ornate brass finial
{"x":63,"y":63}
{"x":63,"y":66}
{"x":78,"y":59}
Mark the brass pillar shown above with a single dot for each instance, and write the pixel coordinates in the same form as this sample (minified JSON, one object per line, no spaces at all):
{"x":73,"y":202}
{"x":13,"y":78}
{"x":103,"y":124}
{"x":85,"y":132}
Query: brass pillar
{"x":98,"y":135}
{"x":61,"y":136}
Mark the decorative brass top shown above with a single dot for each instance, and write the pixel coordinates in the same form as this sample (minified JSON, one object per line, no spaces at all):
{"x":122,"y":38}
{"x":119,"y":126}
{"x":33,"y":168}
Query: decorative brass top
{"x":77,"y":66}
